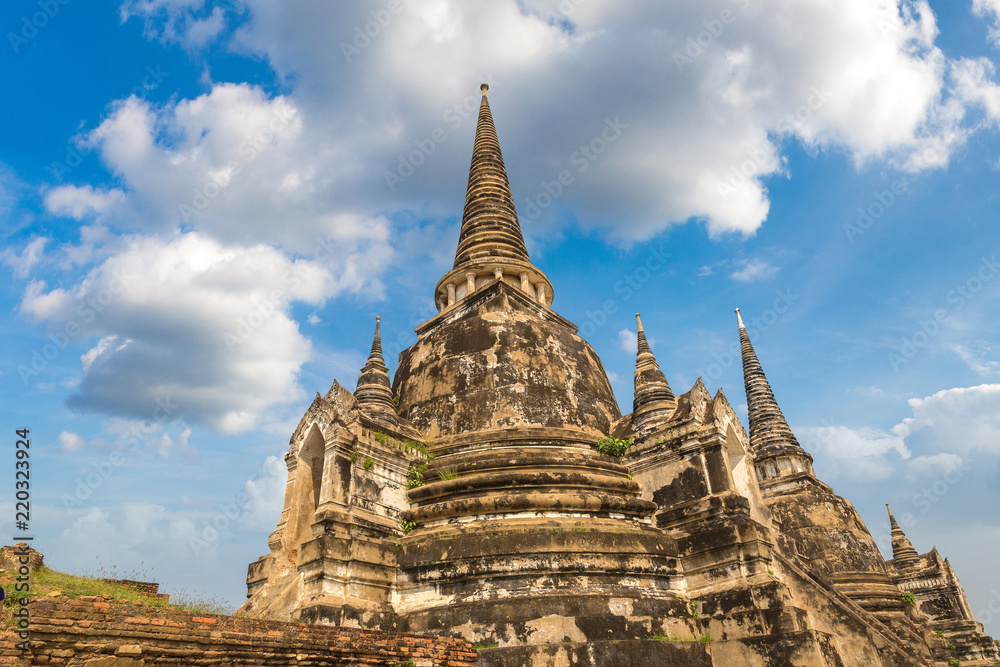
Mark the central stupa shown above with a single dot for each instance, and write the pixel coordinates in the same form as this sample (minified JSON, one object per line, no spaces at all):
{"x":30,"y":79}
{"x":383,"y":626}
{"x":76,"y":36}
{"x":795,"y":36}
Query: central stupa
{"x":494,"y":491}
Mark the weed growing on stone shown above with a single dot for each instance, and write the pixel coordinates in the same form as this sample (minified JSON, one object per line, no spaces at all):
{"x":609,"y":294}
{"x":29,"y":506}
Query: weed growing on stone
{"x":909,"y":599}
{"x":448,"y":472}
{"x":415,"y":476}
{"x":407,"y":525}
{"x":706,"y":638}
{"x":480,"y":647}
{"x":614,"y":446}
{"x":693,"y":606}
{"x":369,"y":463}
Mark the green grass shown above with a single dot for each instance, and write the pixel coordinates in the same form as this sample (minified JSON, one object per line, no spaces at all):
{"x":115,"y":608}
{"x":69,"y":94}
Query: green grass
{"x":660,"y":637}
{"x":447,"y":472}
{"x":479,"y":647}
{"x":706,"y":638}
{"x":94,"y":584}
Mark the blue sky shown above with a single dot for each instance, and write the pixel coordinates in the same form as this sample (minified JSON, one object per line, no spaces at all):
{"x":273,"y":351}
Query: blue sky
{"x":205,"y":204}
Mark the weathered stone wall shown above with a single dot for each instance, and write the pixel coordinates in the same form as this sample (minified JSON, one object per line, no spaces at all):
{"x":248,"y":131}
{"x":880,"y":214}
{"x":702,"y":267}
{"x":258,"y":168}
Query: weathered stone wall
{"x":101,"y":634}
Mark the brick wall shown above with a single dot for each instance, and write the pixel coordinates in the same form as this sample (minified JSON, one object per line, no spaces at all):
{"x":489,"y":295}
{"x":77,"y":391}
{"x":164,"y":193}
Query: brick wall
{"x":71,"y":632}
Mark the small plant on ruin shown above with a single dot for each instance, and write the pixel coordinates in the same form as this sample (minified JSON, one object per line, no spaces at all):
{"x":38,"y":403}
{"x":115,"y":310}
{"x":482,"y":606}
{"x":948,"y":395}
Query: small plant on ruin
{"x":408,"y":663}
{"x":954,"y":662}
{"x":480,"y":647}
{"x":706,"y":638}
{"x":450,"y":472}
{"x":395,"y":400}
{"x":369,"y":463}
{"x":415,"y":476}
{"x":407,"y":525}
{"x":693,"y":606}
{"x":380,"y":436}
{"x":354,"y":455}
{"x":614,"y":446}
{"x":909,"y":599}
{"x":948,"y":645}
{"x":660,"y":637}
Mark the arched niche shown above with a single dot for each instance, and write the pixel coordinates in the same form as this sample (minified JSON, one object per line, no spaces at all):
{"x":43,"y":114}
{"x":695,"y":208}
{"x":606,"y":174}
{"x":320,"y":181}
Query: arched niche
{"x":308,"y":480}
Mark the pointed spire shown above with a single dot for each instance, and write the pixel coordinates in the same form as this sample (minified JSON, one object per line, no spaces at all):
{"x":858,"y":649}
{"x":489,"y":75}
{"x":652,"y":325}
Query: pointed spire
{"x":374,"y":391}
{"x":643,"y":345}
{"x":490,"y":244}
{"x":653,"y":397}
{"x":903,"y":553}
{"x":768,"y":428}
{"x":489,"y":222}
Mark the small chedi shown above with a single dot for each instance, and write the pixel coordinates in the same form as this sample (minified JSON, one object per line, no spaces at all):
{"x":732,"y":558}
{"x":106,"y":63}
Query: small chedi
{"x":493,"y":491}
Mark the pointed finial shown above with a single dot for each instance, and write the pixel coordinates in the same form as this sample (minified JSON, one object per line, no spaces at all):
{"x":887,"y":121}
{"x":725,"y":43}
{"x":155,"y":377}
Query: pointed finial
{"x":892,"y":519}
{"x":643,"y":345}
{"x":654,"y":401}
{"x":490,"y":233}
{"x":903,"y":553}
{"x":769,"y":432}
{"x":374,"y":390}
{"x":376,"y":353}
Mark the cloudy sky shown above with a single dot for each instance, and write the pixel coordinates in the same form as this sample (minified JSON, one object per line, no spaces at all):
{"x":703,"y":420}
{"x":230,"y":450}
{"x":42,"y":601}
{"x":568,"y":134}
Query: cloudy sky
{"x":205,"y":204}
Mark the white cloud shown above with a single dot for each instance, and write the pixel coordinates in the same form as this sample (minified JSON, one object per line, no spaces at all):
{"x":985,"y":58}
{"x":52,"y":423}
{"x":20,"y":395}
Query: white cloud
{"x":974,"y":86}
{"x":184,"y":22}
{"x":191,"y":322}
{"x":858,"y":77}
{"x":234,"y":164}
{"x":22,"y":263}
{"x":946,"y":429}
{"x":934,"y":466}
{"x":70,"y":442}
{"x":860,"y":454}
{"x":628,"y":341}
{"x":963,"y":419}
{"x":753,"y":270}
{"x":976,"y":361}
{"x":989,"y":10}
{"x":79,"y":202}
{"x":264,"y":495}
